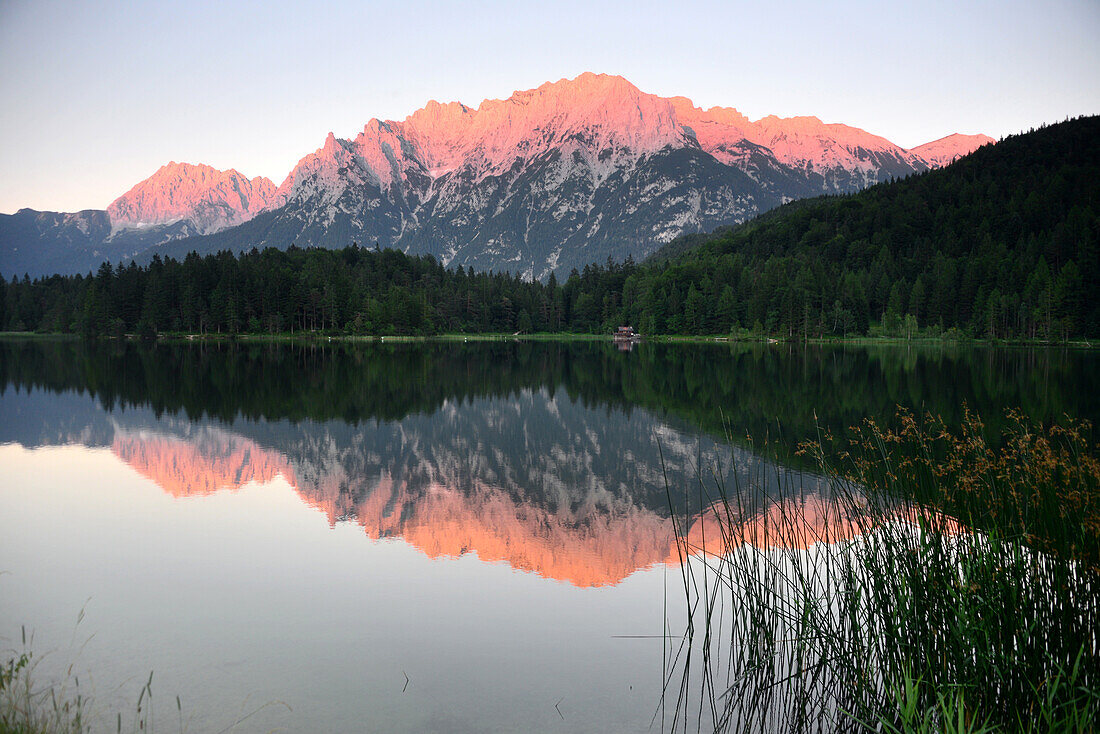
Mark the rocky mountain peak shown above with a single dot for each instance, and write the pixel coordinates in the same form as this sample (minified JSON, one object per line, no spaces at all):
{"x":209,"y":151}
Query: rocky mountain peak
{"x":567,"y":173}
{"x":947,"y":150}
{"x":209,"y":198}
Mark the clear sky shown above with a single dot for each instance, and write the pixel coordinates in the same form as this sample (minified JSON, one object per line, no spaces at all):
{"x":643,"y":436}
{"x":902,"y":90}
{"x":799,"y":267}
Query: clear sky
{"x":95,"y":96}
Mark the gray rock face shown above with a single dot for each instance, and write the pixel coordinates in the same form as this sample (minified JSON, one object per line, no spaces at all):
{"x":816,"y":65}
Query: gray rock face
{"x":551,"y":213}
{"x":550,"y":179}
{"x":42,"y":243}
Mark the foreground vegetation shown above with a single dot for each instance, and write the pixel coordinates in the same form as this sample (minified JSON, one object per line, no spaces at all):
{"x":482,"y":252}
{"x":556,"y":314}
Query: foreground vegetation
{"x":941,"y":585}
{"x":1003,"y":244}
{"x":34,"y":702}
{"x":26,"y":708}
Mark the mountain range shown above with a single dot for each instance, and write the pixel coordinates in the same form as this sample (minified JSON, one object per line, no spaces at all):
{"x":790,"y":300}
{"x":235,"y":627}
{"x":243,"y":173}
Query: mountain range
{"x":552,"y":178}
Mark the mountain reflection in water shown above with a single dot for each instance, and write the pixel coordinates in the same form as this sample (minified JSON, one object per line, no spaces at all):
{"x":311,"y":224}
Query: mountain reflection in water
{"x":563,"y":460}
{"x":593,"y":545}
{"x":527,"y":494}
{"x":543,"y":483}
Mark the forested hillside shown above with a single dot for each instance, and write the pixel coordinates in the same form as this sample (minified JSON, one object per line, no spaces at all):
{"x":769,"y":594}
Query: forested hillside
{"x":1004,"y":243}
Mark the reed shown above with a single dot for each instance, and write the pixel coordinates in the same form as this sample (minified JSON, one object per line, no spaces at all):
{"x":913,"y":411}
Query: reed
{"x":29,"y":707}
{"x":34,"y":700}
{"x":924,"y":579}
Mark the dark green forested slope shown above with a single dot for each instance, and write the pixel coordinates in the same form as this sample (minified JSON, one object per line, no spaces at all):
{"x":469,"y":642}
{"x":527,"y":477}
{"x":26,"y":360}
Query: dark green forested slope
{"x":1004,"y":243}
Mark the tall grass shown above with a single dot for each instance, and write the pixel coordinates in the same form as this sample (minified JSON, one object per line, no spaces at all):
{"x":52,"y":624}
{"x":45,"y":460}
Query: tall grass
{"x":33,"y":701}
{"x":28,"y":707}
{"x":926,"y":580}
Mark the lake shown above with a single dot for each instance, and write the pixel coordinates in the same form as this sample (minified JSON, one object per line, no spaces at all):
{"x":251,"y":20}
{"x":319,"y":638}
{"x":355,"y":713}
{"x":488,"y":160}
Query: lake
{"x":415,"y":537}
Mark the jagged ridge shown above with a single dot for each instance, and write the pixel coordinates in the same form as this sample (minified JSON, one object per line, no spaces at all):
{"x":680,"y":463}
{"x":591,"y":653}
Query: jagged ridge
{"x":208,"y":198}
{"x":571,"y":172}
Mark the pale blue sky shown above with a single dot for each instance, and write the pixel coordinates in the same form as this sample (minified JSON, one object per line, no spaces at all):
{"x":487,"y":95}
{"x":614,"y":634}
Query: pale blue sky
{"x":95,"y":96}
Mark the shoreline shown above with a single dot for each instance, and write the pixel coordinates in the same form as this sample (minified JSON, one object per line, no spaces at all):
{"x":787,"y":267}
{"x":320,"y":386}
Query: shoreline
{"x":861,"y":341}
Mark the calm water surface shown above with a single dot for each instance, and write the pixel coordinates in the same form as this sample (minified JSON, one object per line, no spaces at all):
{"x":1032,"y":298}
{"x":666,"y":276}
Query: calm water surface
{"x":422,"y":537}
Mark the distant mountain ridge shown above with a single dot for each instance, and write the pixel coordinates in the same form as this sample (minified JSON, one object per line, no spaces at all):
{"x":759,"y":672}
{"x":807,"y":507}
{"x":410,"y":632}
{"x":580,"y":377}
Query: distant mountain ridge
{"x":947,"y":150}
{"x":551,"y":178}
{"x":44,"y":243}
{"x":210,"y":199}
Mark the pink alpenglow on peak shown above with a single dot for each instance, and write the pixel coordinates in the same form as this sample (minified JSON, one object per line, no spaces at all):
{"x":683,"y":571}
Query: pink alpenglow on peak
{"x":569,"y":172}
{"x":606,"y":122}
{"x":804,"y":143}
{"x":807,"y":142}
{"x":209,"y":198}
{"x":598,"y":111}
{"x":591,"y":114}
{"x":949,"y":149}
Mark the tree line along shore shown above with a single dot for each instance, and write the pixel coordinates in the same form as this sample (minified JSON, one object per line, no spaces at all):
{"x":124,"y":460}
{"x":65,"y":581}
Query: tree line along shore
{"x":1003,"y":245}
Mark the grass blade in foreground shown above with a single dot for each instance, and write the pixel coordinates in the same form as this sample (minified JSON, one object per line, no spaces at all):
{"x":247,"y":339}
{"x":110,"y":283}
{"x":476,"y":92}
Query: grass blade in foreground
{"x":932,"y":581}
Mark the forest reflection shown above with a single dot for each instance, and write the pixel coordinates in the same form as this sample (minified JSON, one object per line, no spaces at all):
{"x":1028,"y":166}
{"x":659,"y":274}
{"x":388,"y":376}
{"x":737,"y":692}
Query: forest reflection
{"x":566,"y":460}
